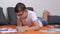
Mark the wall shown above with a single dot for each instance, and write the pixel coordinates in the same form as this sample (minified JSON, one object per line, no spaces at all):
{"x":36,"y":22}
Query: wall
{"x":53,"y":6}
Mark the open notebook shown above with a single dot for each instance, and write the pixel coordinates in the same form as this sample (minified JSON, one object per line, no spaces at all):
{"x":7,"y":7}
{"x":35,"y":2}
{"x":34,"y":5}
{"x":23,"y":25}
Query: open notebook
{"x":50,"y":30}
{"x":5,"y":30}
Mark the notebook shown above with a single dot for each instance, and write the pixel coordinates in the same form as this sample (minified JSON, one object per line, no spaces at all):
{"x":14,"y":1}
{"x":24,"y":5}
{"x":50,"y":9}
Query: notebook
{"x":50,"y":30}
{"x":5,"y":30}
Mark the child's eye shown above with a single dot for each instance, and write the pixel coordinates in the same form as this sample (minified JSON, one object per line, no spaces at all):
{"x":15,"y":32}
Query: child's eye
{"x":19,"y":14}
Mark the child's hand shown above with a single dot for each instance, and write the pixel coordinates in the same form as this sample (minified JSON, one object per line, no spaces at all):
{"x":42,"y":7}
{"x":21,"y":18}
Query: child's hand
{"x":22,"y":28}
{"x":26,"y":27}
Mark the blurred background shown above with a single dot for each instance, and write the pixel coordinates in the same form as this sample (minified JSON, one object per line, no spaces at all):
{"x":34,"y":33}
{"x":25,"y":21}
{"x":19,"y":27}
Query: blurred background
{"x":53,"y":6}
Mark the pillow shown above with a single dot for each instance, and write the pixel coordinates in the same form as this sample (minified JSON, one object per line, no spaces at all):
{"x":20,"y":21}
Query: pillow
{"x":12,"y":16}
{"x":54,"y":19}
{"x":3,"y":20}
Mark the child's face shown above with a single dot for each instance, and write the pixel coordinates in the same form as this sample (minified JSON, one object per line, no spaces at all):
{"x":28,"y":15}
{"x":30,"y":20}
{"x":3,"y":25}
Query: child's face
{"x":22,"y":14}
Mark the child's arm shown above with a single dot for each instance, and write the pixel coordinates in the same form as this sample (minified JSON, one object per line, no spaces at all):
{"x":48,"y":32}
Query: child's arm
{"x":19,"y":23}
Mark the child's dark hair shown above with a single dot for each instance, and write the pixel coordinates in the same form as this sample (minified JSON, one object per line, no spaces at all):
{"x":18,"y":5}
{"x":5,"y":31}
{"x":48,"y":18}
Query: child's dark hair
{"x":20,"y":7}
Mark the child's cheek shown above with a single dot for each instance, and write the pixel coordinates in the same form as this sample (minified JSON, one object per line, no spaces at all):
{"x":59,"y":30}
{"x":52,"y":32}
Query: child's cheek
{"x":23,"y":16}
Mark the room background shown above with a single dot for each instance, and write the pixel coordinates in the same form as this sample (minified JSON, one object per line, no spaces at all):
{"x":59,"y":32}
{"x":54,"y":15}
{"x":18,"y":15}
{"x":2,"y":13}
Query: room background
{"x":53,"y":6}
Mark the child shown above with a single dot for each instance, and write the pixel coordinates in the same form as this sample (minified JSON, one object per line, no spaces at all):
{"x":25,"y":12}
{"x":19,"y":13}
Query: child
{"x":26,"y":19}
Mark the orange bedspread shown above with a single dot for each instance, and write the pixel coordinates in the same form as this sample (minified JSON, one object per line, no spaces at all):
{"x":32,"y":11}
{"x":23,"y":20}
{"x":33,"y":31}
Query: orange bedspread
{"x":29,"y":31}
